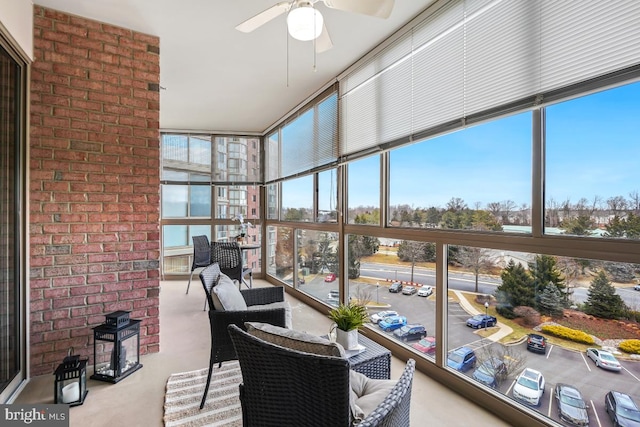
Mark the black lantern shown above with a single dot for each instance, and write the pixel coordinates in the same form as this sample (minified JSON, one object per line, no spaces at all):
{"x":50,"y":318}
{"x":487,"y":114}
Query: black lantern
{"x":116,"y":348}
{"x":70,"y":386}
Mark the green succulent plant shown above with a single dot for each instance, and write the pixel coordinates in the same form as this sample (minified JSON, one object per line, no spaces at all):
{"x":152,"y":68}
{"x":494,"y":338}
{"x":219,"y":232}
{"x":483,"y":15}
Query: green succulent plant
{"x":349,"y":317}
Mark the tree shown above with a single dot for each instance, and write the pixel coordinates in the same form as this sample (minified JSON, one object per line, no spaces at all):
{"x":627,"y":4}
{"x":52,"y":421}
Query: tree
{"x":582,"y":225}
{"x":360,"y":246}
{"x":478,"y":260}
{"x":628,"y":227}
{"x":544,"y":270}
{"x":602,"y":300}
{"x":550,"y":301}
{"x":516,"y":289}
{"x":413,"y":252}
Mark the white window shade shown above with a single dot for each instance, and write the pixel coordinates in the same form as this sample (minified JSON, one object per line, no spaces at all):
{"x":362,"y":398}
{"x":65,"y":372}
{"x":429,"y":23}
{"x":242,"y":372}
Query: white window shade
{"x":473,"y":56}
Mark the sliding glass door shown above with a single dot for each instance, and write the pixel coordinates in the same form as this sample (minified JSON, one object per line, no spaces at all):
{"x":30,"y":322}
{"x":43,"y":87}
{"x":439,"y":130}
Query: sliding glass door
{"x":12,"y":334}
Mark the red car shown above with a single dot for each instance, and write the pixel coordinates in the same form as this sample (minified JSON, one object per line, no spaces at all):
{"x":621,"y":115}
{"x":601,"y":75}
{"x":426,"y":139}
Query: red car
{"x":330,"y":277}
{"x":426,"y":345}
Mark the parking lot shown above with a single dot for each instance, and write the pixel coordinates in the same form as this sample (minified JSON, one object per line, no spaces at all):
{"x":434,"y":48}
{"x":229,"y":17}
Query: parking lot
{"x":558,"y":365}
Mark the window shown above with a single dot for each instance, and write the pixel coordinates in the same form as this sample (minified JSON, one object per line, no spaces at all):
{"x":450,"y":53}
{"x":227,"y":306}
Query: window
{"x":592,"y":178}
{"x":297,"y":199}
{"x":478,"y":178}
{"x":364,"y":191}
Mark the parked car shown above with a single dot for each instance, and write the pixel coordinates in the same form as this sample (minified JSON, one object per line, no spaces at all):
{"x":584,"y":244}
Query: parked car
{"x":481,"y":321}
{"x":411,"y":332}
{"x":529,"y":387}
{"x":461,"y":359}
{"x":425,"y":291}
{"x":604,"y":359}
{"x":571,"y":406}
{"x":395,"y":287}
{"x":622,"y":410}
{"x":537,"y":343}
{"x":376,"y":317}
{"x":491,"y":372}
{"x":426,"y":345}
{"x":409,"y":290}
{"x":637,"y":287}
{"x":391,"y":323}
{"x":330,"y":277}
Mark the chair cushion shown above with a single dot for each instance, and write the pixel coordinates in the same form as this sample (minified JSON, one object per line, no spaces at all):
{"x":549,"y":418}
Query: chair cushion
{"x":226,"y":296}
{"x":295,"y":340}
{"x":367,"y":394}
{"x":288,"y":318}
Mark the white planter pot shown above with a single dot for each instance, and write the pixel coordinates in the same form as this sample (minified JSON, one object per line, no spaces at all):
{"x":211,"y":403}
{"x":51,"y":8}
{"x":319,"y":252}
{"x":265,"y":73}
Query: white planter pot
{"x":348,"y":339}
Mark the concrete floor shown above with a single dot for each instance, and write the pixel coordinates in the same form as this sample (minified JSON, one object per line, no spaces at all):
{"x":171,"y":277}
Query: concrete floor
{"x":184,"y":346}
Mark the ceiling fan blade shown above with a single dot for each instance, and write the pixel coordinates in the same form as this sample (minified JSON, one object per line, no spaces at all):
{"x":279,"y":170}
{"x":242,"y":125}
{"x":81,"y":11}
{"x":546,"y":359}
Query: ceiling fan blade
{"x":377,"y":8}
{"x":263,"y":17}
{"x":323,"y":42}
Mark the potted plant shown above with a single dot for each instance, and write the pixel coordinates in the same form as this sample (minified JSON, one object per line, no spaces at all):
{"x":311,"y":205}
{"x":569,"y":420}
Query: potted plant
{"x":348,"y":319}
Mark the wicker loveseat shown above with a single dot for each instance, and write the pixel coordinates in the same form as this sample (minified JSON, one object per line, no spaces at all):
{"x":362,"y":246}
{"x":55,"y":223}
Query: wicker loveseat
{"x":286,"y":387}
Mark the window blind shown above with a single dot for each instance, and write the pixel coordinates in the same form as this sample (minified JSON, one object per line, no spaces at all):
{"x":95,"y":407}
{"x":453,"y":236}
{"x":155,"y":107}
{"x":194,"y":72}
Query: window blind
{"x":472,"y":56}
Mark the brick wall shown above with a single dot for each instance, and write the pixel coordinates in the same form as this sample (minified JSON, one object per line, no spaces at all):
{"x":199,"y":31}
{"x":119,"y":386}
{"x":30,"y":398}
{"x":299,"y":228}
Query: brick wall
{"x":94,"y":184}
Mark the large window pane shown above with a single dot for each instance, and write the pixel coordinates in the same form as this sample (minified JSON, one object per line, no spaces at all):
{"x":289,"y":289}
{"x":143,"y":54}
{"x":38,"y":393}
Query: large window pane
{"x":234,"y":200}
{"x":477,"y":178}
{"x":185,"y":153}
{"x":297,"y":199}
{"x":183,"y":201}
{"x":592,"y":173}
{"x":396,"y":278}
{"x":236,"y":159}
{"x":280,"y":252}
{"x":317,"y":264}
{"x":364,"y":191}
{"x":498,"y":298}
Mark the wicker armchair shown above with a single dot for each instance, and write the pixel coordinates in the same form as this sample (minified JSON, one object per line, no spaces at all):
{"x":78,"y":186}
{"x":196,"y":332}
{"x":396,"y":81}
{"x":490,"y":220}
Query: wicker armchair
{"x":284,"y":387}
{"x":228,"y":255}
{"x":222,"y":348}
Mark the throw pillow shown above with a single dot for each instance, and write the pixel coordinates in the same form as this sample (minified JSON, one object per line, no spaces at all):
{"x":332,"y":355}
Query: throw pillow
{"x":295,"y":340}
{"x":288,"y":320}
{"x":226,"y":296}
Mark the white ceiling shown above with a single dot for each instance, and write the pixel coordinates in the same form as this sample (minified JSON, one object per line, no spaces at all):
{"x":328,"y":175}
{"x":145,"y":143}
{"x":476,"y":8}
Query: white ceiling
{"x":216,"y":78}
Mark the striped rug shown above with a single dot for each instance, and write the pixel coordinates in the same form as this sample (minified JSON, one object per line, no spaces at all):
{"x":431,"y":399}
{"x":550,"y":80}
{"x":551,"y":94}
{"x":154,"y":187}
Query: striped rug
{"x":184,"y":393}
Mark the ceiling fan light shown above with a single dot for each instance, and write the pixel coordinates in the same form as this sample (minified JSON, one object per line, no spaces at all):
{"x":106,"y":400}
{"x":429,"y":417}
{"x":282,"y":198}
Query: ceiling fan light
{"x":304,"y":23}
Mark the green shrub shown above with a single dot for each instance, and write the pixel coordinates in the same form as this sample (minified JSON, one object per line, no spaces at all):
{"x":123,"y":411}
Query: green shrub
{"x":568,"y":334}
{"x":630,"y":346}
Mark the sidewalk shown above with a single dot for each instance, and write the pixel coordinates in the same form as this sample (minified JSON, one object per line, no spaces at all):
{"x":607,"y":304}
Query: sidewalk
{"x":503,"y":330}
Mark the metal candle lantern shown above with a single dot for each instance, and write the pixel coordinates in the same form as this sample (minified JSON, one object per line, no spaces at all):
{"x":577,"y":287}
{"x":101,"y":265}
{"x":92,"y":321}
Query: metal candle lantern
{"x":70,"y":386}
{"x":116,"y":348}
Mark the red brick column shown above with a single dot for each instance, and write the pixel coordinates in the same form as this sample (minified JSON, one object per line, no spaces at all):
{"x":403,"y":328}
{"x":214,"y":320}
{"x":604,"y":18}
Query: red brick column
{"x":94,"y":184}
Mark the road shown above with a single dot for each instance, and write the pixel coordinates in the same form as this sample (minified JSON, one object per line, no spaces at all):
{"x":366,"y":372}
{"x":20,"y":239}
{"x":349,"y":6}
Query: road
{"x":466,"y":282}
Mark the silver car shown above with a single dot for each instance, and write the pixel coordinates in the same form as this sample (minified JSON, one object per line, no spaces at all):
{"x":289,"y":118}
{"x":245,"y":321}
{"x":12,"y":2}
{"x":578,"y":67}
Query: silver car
{"x":604,"y":359}
{"x":376,"y":317}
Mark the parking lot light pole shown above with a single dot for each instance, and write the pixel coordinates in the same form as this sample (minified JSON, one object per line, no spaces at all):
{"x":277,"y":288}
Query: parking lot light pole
{"x":377,"y":288}
{"x":486,"y":313}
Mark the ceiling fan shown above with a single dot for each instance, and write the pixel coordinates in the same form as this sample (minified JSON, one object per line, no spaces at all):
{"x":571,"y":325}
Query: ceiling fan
{"x":305,"y":22}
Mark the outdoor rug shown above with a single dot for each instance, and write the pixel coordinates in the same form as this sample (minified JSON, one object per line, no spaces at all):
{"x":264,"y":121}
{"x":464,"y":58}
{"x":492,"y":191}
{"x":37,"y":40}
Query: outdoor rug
{"x":184,"y":393}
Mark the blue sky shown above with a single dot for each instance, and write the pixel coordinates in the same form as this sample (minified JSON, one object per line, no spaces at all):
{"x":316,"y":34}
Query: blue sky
{"x":593,"y":149}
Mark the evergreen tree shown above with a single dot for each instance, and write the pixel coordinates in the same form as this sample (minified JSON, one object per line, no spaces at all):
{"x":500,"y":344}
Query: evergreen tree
{"x":544,"y":270}
{"x":550,"y":301}
{"x":516,"y":289}
{"x":603,"y":301}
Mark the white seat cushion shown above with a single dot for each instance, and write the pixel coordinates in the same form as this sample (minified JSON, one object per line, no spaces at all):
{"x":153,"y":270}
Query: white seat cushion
{"x":367,"y":394}
{"x":226,"y":296}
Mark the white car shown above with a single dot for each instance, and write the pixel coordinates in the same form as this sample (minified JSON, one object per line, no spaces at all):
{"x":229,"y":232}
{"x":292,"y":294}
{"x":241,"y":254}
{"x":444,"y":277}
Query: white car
{"x":425,"y":291}
{"x":604,"y":359}
{"x":529,"y":387}
{"x":636,"y":287}
{"x":377,"y":317}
